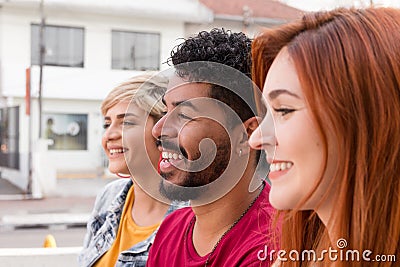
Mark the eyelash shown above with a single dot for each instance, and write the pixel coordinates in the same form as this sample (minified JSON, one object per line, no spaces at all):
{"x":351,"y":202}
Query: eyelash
{"x":183,"y":116}
{"x":106,"y":125}
{"x":283,"y":111}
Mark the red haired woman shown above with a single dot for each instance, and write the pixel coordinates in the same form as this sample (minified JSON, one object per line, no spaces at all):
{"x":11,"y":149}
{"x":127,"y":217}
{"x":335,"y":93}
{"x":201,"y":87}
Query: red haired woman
{"x":331,"y":81}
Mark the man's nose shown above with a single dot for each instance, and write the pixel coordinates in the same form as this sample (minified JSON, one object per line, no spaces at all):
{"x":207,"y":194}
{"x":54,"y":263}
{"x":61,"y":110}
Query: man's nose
{"x":157,"y":128}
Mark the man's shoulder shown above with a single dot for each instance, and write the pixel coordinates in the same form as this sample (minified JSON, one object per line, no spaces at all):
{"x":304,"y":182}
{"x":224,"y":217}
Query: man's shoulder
{"x":180,"y":216}
{"x":261,"y":209}
{"x":178,"y":221}
{"x":172,"y":230}
{"x":257,"y":223}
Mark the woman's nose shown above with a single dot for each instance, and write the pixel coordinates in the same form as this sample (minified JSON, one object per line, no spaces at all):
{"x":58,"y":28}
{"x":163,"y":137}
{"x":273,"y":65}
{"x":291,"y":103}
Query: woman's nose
{"x":112,"y":133}
{"x":263,"y":137}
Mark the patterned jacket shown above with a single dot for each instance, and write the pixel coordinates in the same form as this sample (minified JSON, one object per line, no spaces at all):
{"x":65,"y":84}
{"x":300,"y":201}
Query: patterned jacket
{"x":102,"y":228}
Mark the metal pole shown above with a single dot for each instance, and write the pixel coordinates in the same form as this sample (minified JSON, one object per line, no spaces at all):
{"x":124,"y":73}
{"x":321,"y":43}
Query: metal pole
{"x":28,"y":112}
{"x":41,"y":61}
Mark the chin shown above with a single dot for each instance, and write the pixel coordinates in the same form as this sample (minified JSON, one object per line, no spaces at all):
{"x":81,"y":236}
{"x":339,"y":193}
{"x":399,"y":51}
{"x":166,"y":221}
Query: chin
{"x":117,"y":170}
{"x":279,"y":201}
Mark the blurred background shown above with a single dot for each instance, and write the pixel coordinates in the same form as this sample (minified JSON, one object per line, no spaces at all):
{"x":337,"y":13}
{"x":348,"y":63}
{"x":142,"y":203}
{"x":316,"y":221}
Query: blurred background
{"x":58,"y":60}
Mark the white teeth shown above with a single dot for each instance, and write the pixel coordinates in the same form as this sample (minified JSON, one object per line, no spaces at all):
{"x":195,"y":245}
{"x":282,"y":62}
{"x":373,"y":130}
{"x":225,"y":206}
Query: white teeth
{"x":117,"y":150}
{"x":281,"y":166}
{"x":170,"y":155}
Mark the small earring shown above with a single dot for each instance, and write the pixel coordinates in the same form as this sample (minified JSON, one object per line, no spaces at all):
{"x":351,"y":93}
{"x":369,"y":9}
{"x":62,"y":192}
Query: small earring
{"x":240,"y":152}
{"x":122,"y":175}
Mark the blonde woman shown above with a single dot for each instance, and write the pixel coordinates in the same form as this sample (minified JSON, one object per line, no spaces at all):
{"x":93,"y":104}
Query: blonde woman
{"x":125,"y":218}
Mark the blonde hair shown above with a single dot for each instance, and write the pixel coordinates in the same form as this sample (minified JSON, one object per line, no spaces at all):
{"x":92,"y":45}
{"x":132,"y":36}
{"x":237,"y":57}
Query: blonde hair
{"x":144,"y":90}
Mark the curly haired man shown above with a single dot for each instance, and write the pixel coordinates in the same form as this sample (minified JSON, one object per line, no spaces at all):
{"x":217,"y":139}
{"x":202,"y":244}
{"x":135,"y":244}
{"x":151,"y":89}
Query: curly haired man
{"x":206,"y":158}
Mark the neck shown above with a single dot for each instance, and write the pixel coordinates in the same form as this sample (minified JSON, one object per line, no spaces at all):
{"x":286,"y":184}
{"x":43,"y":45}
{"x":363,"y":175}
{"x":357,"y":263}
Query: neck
{"x":324,"y":213}
{"x":332,"y":235}
{"x":214,"y":219}
{"x":146,"y":210}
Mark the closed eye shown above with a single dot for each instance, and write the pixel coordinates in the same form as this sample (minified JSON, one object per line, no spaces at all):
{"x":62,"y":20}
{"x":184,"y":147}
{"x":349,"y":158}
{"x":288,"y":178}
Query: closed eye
{"x":129,"y":123}
{"x":284,"y":111}
{"x":183,"y":116}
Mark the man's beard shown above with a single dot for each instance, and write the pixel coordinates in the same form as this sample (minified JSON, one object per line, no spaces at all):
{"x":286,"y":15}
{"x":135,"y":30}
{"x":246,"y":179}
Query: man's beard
{"x":194,"y":183}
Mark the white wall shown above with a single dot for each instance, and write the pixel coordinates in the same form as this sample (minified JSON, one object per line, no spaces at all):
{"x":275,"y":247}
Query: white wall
{"x":96,"y":78}
{"x":69,"y":90}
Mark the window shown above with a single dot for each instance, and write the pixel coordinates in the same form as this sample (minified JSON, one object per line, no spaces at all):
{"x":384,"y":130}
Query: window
{"x":68,"y":131}
{"x":63,"y":46}
{"x":9,"y":137}
{"x":135,"y":50}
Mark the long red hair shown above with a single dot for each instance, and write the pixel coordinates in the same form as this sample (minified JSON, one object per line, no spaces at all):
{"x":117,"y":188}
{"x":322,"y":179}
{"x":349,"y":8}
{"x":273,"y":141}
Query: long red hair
{"x":348,"y":63}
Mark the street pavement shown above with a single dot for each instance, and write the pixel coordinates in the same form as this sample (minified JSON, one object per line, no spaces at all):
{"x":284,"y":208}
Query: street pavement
{"x":70,"y":205}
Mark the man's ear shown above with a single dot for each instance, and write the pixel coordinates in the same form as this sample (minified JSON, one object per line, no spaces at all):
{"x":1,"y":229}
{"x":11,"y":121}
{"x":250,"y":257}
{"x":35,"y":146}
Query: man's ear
{"x":250,"y":125}
{"x":246,"y":129}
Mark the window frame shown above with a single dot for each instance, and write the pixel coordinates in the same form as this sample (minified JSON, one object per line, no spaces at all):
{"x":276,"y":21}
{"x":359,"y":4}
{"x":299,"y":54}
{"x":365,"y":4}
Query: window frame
{"x":158,"y":66}
{"x":58,"y":64}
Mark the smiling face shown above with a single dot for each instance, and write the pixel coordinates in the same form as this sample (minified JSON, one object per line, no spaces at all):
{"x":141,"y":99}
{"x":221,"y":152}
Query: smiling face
{"x":293,"y":144}
{"x":126,"y":119}
{"x":195,"y":145}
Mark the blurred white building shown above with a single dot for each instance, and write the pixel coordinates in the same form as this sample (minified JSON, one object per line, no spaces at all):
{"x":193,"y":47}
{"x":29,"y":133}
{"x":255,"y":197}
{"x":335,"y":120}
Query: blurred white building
{"x":315,"y":5}
{"x":90,"y":47}
{"x":248,"y":16}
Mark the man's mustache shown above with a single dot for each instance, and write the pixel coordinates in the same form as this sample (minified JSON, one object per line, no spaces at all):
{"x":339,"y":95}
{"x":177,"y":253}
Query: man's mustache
{"x":169,"y":145}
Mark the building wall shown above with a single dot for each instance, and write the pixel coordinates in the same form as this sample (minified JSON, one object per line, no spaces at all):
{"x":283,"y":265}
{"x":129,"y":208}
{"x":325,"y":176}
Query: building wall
{"x":68,"y":90}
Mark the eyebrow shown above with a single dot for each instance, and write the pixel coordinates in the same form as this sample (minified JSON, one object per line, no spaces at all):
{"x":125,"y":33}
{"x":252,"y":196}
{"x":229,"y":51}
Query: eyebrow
{"x":185,"y":103}
{"x":277,"y":92}
{"x":182,"y":103}
{"x":120,"y":116}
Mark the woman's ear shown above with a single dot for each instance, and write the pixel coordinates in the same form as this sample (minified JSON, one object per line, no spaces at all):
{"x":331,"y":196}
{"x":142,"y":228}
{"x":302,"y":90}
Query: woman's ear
{"x":247,"y":128}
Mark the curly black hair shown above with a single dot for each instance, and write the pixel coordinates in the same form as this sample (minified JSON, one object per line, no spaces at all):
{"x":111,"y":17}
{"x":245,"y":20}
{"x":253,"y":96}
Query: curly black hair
{"x":226,"y":48}
{"x":218,"y":45}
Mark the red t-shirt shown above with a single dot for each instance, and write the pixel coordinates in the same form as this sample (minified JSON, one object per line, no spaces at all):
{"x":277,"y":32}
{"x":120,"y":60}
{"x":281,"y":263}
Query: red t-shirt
{"x":244,"y":245}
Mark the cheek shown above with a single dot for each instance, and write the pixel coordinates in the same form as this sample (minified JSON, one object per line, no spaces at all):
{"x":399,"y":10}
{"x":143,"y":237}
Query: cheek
{"x":299,"y":142}
{"x":189,"y":139}
{"x":133,"y":138}
{"x":104,"y":142}
{"x":310,"y":163}
{"x":150,"y":141}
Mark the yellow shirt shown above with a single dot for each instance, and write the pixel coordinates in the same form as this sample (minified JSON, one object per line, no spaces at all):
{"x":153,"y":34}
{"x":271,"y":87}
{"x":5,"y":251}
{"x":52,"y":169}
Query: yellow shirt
{"x":129,"y":233}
